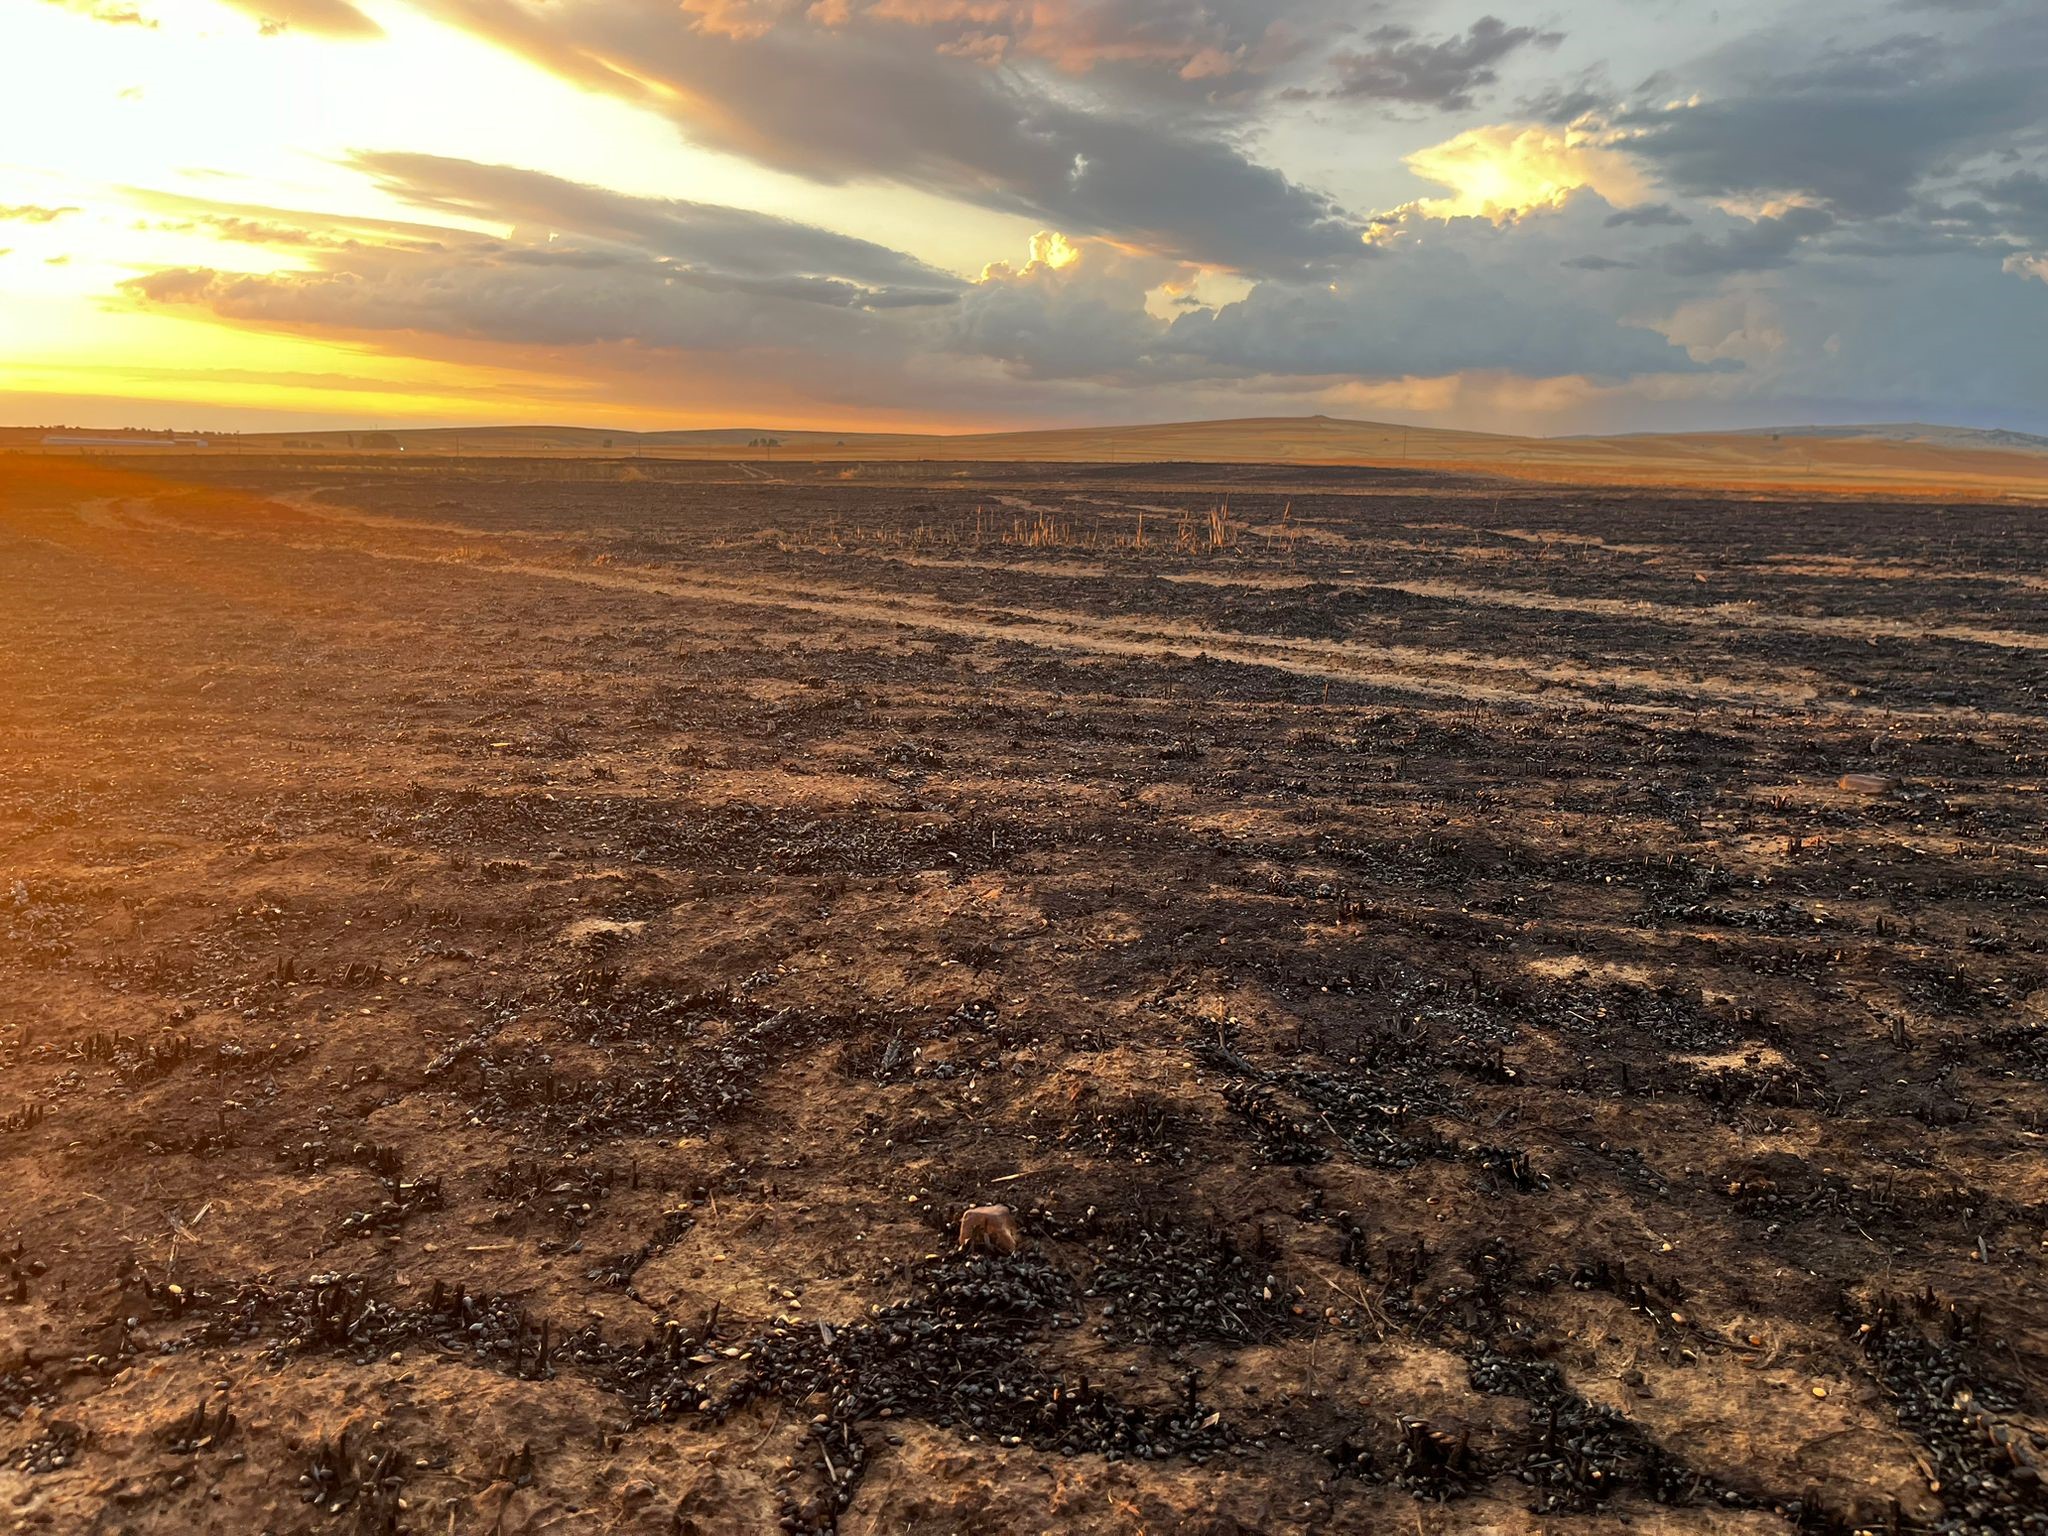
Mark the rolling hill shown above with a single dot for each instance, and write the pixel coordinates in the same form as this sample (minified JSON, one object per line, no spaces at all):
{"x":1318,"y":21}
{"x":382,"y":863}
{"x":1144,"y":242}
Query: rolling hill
{"x":1910,"y":459}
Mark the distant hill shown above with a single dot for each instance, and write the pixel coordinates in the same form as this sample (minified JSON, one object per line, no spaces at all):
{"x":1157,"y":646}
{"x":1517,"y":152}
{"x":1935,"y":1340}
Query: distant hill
{"x":1906,"y":459}
{"x":1916,"y":432}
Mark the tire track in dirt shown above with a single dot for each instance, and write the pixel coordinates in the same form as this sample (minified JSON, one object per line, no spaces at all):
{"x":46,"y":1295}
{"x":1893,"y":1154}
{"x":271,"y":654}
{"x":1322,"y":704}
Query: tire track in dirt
{"x":1061,"y":631}
{"x":1837,"y":567}
{"x":1718,"y":616}
{"x":1414,"y":670}
{"x":1403,"y":668}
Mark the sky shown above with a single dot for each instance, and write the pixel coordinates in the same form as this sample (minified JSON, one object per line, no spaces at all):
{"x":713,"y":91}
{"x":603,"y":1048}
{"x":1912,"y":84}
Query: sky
{"x":1586,"y":216}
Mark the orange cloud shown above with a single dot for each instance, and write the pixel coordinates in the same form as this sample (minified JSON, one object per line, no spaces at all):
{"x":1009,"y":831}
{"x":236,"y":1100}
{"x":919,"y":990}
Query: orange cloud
{"x":740,"y":20}
{"x":2028,"y":266}
{"x":1073,"y":36}
{"x":329,"y":18}
{"x":111,"y":12}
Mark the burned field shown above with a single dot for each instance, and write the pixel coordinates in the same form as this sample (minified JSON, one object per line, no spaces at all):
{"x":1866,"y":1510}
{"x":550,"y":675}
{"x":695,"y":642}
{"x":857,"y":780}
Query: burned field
{"x":1494,"y":1009}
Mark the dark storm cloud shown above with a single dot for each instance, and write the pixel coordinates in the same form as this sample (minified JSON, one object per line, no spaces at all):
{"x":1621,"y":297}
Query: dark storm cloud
{"x":1753,"y":247}
{"x":1437,"y":300}
{"x":594,"y":269}
{"x":1421,"y":323}
{"x":1596,"y":264}
{"x":261,"y":224}
{"x":1176,"y":48}
{"x":526,"y":297}
{"x":1560,"y":104}
{"x":1445,"y":73}
{"x":706,"y":237}
{"x":1412,"y":315}
{"x":2024,"y":190}
{"x":584,"y":266}
{"x":1646,"y":215}
{"x":1930,"y":228}
{"x":870,"y":102}
{"x":1860,"y":127}
{"x":474,"y":299}
{"x":2016,"y":202}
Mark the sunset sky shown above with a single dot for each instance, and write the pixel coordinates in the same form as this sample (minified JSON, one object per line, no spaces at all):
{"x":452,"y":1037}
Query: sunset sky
{"x":1589,"y":216}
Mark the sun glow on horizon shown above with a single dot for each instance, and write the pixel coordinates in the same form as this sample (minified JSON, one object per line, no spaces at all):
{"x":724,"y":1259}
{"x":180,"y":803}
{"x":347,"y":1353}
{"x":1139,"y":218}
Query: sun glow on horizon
{"x":142,"y":136}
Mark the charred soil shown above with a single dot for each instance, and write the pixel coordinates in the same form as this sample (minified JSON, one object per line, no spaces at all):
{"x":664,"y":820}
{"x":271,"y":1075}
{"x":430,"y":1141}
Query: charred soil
{"x":1495,"y":1009}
